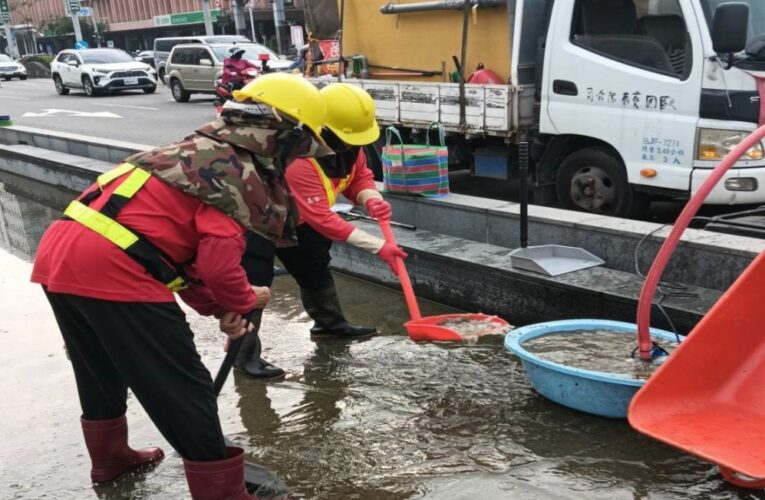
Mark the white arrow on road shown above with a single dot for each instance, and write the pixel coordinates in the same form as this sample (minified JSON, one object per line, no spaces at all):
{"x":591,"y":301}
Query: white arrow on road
{"x":70,"y":113}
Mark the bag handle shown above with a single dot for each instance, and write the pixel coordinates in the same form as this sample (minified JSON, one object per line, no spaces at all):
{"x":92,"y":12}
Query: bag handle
{"x":389,"y":133}
{"x":441,"y":134}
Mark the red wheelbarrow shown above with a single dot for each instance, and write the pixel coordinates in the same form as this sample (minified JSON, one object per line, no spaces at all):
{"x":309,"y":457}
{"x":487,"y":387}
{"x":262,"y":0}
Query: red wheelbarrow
{"x":708,"y":398}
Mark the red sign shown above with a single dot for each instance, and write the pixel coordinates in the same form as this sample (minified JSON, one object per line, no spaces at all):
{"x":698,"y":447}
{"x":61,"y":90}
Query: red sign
{"x":331,"y":50}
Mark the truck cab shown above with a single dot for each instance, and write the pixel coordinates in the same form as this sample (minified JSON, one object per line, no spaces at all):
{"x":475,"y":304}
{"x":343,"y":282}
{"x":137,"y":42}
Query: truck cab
{"x":636,"y":102}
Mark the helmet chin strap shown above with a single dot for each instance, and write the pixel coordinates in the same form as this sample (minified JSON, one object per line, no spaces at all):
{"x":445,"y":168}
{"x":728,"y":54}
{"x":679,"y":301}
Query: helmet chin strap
{"x":289,"y":145}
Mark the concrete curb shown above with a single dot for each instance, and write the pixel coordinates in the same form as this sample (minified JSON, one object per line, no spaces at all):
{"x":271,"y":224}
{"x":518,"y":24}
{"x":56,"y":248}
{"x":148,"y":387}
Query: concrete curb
{"x":478,"y":277}
{"x":459,"y":253}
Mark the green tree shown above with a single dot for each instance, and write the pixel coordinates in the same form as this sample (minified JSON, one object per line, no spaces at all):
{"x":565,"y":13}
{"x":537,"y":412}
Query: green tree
{"x":62,"y":26}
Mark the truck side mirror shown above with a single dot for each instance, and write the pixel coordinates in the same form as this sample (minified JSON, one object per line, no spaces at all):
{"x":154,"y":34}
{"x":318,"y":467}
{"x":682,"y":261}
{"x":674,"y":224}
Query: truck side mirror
{"x":730,"y":27}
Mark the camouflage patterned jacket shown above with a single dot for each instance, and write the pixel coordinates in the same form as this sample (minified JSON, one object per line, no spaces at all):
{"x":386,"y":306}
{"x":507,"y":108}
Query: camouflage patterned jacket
{"x":235,"y":166}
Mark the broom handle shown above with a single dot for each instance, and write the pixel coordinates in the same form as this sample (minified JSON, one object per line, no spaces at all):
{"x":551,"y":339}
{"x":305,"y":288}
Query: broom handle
{"x":403,"y":276}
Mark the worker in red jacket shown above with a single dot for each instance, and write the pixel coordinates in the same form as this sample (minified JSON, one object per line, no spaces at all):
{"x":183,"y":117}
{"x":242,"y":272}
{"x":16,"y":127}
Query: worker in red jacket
{"x":316,"y":184}
{"x":173,"y":220}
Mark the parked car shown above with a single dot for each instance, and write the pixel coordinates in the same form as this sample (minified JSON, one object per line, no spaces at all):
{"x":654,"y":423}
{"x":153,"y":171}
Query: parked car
{"x":11,"y":69}
{"x":163,"y":47}
{"x":146,"y":57}
{"x":101,"y":70}
{"x":194,"y":68}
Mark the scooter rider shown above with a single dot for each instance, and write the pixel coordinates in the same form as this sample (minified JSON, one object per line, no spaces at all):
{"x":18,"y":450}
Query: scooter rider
{"x":315,"y":184}
{"x":233,"y":66}
{"x":173,"y":220}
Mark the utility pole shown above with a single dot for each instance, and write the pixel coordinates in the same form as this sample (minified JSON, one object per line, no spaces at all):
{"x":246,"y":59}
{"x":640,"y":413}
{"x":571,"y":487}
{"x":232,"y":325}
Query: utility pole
{"x":279,"y":22}
{"x":239,"y":25}
{"x":73,"y":8}
{"x":94,"y":20}
{"x":252,"y":22}
{"x":208,"y":18}
{"x":9,"y":39}
{"x":5,"y":14}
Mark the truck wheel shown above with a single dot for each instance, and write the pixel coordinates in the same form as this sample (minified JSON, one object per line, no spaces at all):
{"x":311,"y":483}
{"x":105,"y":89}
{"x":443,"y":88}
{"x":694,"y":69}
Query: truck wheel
{"x":594,"y":180}
{"x":179,"y":93}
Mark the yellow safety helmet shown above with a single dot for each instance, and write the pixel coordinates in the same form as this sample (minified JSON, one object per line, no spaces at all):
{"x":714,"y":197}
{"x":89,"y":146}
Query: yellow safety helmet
{"x":289,"y":94}
{"x":350,"y":114}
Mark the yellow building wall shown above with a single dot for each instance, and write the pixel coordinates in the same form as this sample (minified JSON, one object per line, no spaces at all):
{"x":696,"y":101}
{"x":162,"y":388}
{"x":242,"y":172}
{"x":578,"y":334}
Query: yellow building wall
{"x":422,"y":40}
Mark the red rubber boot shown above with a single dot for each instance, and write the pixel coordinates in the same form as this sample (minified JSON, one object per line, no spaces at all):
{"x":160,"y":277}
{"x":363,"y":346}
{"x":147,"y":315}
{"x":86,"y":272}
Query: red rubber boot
{"x":107,"y":443}
{"x":219,"y":480}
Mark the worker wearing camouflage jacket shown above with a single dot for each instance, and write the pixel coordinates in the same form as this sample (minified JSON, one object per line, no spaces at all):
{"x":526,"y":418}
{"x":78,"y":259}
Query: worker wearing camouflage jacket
{"x":173,"y":220}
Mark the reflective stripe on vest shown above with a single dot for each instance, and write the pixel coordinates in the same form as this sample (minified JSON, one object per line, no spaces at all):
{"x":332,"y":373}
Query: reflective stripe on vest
{"x":104,"y":223}
{"x":329,"y":186}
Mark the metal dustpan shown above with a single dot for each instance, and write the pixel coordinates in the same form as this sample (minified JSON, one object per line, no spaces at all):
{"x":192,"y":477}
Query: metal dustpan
{"x":551,"y":260}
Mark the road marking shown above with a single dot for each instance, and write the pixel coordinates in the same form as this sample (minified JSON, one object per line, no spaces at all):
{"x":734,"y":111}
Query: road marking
{"x":14,"y":97}
{"x":124,"y":106}
{"x":70,"y":113}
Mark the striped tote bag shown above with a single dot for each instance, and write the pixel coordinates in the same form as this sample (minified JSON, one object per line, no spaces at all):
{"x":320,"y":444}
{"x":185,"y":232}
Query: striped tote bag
{"x":420,"y":169}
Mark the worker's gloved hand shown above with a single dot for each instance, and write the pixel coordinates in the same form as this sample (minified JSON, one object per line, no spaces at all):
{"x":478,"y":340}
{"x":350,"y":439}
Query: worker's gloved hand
{"x":390,"y":253}
{"x":379,"y":208}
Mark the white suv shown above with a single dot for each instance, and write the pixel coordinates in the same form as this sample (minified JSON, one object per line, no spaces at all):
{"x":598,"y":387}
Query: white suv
{"x":101,"y":70}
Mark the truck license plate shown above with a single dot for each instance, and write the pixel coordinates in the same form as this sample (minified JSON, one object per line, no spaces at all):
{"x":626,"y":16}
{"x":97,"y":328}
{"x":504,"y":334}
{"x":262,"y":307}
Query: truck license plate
{"x":131,"y":81}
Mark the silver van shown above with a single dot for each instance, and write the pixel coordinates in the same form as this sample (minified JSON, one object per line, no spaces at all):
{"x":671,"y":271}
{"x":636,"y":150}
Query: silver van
{"x":163,"y":46}
{"x":194,"y":68}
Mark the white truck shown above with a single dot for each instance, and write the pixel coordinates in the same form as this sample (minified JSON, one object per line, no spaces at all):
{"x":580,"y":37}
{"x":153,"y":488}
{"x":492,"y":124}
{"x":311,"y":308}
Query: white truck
{"x":621,"y":101}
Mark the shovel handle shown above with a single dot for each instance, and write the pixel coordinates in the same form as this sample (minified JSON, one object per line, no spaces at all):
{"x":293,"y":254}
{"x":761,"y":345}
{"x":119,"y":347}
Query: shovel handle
{"x":403,"y":275}
{"x":231,"y":354}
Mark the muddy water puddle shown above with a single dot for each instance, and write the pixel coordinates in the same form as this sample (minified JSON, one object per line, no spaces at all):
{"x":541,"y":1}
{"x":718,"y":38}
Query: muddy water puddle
{"x":471,"y":329}
{"x":372,"y":420}
{"x":597,"y":350}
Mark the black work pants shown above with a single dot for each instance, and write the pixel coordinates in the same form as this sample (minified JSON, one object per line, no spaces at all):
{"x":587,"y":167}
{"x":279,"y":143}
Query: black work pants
{"x":308,"y":262}
{"x":149,"y":348}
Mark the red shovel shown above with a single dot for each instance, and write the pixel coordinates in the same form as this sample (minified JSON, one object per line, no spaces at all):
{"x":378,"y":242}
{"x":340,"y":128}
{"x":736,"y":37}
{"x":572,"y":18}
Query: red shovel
{"x":436,"y":328}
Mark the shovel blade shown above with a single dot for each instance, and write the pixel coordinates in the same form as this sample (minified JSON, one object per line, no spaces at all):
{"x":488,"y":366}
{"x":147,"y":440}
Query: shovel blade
{"x":429,"y":329}
{"x":263,"y":483}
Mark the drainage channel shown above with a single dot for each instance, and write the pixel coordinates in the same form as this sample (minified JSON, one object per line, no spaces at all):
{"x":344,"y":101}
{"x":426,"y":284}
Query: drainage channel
{"x":379,"y":419}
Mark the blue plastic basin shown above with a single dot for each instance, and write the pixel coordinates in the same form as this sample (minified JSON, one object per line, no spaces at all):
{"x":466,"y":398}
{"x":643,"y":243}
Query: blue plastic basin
{"x":599,"y":393}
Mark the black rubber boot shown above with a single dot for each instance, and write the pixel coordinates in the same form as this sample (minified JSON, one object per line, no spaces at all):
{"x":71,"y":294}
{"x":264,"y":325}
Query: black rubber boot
{"x":323,"y":306}
{"x":249,"y":361}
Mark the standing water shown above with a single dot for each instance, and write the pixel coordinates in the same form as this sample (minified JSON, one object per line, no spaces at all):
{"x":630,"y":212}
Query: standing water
{"x":604,"y":351}
{"x":382,"y":419}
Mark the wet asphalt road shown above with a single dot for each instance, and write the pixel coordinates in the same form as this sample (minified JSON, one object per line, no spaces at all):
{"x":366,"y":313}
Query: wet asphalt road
{"x":132,"y":116}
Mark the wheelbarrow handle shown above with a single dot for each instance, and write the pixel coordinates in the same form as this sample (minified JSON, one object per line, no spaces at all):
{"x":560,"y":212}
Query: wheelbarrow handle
{"x":403,"y":275}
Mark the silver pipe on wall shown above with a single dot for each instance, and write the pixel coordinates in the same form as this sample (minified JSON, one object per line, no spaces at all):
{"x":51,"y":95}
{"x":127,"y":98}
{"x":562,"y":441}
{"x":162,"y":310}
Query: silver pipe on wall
{"x":392,"y":8}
